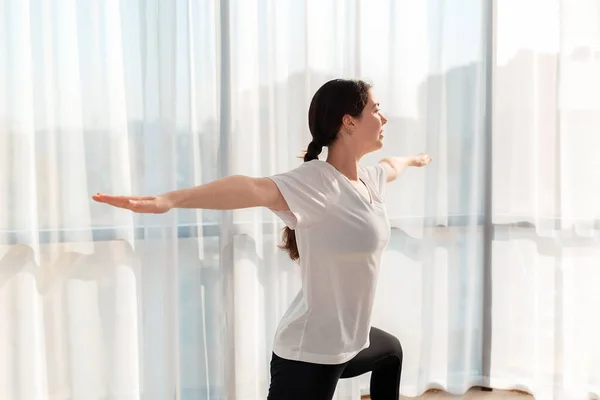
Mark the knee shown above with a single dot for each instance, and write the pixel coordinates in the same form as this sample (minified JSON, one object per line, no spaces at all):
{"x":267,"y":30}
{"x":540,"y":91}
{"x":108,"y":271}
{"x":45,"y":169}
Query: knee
{"x":387,"y":344}
{"x":393,"y":348}
{"x":396,"y":349}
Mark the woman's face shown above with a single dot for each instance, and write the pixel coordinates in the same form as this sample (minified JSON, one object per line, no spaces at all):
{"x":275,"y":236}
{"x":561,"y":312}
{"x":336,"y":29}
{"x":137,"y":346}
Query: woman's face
{"x":368,"y":127}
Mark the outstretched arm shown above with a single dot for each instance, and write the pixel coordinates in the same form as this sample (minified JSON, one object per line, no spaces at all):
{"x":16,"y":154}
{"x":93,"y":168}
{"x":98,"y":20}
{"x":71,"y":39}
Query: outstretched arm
{"x":396,"y":165}
{"x":230,"y":193}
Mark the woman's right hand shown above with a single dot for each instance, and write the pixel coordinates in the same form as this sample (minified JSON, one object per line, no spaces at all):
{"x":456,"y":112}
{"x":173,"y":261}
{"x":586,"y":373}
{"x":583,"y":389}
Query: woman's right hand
{"x":146,"y":204}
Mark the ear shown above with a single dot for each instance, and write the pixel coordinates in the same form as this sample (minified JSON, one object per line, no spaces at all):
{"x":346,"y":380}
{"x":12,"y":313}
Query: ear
{"x":348,"y":123}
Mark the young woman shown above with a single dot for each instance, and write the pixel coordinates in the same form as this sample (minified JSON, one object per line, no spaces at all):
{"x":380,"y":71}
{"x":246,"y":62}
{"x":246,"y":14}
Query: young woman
{"x":336,"y":229}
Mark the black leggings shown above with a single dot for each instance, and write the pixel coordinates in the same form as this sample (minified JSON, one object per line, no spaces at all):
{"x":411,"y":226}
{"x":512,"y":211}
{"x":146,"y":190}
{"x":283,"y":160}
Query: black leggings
{"x":297,"y":380}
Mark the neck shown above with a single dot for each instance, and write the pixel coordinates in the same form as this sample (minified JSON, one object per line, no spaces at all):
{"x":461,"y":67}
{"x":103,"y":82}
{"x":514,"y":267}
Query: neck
{"x":344,"y":159}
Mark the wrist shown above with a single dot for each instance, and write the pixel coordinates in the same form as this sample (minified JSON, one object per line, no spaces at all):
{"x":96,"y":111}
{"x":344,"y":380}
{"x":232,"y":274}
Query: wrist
{"x":171,"y":199}
{"x":407,"y":161}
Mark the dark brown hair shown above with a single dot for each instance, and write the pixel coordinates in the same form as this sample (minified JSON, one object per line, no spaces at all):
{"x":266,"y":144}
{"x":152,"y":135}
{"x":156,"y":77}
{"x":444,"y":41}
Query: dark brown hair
{"x":330,"y":103}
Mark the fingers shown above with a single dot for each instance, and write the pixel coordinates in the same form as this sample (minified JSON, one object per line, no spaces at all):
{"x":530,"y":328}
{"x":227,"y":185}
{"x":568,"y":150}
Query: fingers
{"x":138,"y":204}
{"x":121,"y":203}
{"x":102,"y":196}
{"x":423,"y":159}
{"x":116,"y":201}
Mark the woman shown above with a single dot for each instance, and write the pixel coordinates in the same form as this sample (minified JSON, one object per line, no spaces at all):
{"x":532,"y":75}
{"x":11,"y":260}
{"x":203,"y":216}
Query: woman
{"x":337,"y":229}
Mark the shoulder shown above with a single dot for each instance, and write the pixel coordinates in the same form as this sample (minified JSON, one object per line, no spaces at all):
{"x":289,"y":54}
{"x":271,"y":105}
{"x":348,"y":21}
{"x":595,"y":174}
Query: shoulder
{"x":313,"y":176}
{"x":312,"y":168}
{"x":315,"y":172}
{"x":307,"y":190}
{"x":376,"y":175}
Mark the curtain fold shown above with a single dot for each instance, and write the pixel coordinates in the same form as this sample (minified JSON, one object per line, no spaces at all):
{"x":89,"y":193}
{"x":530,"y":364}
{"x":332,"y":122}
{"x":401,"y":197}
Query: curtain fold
{"x":144,"y":96}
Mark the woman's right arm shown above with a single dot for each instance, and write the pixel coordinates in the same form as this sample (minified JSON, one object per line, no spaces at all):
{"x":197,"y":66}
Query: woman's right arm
{"x":229,"y":193}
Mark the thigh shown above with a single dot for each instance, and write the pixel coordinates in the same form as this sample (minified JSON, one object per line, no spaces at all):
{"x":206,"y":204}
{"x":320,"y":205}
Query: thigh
{"x":383,"y":348}
{"x":291,"y":380}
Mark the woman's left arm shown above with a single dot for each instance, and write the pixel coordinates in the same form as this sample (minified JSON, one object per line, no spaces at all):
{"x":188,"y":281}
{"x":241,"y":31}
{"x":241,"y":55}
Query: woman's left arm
{"x":394,"y":166}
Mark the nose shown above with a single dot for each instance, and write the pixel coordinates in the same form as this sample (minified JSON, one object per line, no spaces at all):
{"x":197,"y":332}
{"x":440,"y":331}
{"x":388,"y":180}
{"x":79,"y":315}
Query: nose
{"x":383,"y":120}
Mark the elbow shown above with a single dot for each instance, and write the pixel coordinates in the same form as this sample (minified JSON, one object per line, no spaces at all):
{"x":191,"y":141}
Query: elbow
{"x":391,"y":168}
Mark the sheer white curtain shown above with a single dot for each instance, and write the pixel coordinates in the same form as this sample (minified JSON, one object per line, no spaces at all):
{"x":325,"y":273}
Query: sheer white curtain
{"x":546,"y":211}
{"x":146,"y":96}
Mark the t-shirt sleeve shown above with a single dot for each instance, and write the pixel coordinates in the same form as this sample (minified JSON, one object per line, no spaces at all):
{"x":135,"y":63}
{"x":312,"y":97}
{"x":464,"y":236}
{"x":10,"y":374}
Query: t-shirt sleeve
{"x":307,"y":193}
{"x":377,"y":175}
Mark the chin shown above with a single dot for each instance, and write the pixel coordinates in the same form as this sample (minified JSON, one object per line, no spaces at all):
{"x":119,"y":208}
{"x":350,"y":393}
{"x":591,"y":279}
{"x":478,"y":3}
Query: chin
{"x":374,"y":147}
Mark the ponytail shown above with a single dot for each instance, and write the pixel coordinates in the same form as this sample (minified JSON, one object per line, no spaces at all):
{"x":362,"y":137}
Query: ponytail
{"x":288,"y":239}
{"x":288,"y":243}
{"x":313,"y":151}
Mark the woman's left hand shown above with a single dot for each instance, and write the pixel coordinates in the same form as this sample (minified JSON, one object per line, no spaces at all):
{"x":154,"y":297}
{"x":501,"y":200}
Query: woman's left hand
{"x":420,"y":160}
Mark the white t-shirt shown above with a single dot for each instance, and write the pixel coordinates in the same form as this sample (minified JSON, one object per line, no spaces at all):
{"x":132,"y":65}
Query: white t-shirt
{"x":341,"y":236}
